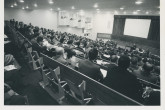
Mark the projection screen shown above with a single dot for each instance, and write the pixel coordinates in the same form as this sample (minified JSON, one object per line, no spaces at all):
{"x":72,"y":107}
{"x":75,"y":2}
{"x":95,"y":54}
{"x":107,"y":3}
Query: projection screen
{"x":137,"y":27}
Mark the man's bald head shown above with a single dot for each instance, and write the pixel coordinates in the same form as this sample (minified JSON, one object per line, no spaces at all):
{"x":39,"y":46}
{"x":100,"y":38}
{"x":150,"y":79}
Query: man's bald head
{"x":114,"y":58}
{"x":148,"y":67}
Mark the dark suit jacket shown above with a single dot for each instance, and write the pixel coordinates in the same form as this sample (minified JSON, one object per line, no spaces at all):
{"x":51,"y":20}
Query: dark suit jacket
{"x":90,"y":69}
{"x":124,"y":82}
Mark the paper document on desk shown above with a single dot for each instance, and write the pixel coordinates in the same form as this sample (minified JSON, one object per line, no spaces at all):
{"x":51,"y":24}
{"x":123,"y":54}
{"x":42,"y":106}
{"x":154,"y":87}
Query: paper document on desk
{"x":99,"y":62}
{"x":104,"y":72}
{"x":10,"y":67}
{"x":107,"y":56}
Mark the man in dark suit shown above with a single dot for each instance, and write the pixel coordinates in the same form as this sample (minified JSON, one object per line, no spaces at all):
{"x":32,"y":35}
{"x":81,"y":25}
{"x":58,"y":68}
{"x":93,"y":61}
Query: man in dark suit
{"x":90,"y":69}
{"x":38,"y":46}
{"x":146,"y":73}
{"x":121,"y":80}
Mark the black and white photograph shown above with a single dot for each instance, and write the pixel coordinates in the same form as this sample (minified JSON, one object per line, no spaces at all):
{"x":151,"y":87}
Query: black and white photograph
{"x":82,"y":53}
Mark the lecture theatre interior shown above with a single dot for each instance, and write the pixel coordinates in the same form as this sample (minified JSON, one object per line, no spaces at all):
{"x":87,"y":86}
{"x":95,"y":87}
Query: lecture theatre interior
{"x":82,"y":52}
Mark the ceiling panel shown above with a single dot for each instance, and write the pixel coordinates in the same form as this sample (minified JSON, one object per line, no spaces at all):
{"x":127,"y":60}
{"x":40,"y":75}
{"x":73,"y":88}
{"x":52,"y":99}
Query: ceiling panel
{"x":103,"y":5}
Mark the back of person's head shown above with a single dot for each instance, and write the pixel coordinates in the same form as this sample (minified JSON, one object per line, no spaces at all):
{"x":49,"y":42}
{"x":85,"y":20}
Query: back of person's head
{"x":114,"y":58}
{"x":70,"y":42}
{"x":62,"y":40}
{"x":78,"y":43}
{"x":39,"y":39}
{"x":147,"y":67}
{"x":59,"y":51}
{"x":92,"y":54}
{"x":124,"y":62}
{"x":70,"y":53}
{"x":134,"y":60}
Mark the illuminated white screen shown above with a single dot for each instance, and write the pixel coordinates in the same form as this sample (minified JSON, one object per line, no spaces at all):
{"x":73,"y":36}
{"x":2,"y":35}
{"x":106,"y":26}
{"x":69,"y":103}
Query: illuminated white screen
{"x":137,"y":27}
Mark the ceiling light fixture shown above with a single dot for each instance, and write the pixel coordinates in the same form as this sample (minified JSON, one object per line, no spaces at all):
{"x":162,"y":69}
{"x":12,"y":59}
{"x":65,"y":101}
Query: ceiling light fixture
{"x":51,"y":2}
{"x":23,"y":8}
{"x":27,"y":7}
{"x":95,"y":5}
{"x":147,"y":12}
{"x":35,"y":5}
{"x":73,"y":7}
{"x":58,"y":9}
{"x":138,"y":10}
{"x":121,"y":8}
{"x":22,"y":1}
{"x":15,"y":4}
{"x":135,"y":12}
{"x":12,"y":6}
{"x":138,"y":2}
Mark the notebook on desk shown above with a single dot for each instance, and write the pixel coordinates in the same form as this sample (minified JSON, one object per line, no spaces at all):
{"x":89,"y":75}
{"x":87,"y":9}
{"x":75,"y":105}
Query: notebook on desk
{"x":104,"y":72}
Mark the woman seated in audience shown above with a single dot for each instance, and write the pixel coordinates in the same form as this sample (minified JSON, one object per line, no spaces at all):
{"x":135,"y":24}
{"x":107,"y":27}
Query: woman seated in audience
{"x":146,"y":73}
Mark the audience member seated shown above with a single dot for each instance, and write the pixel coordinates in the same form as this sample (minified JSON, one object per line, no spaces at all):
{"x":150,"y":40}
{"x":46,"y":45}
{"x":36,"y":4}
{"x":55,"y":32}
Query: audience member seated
{"x":134,"y":64}
{"x":38,"y":46}
{"x":69,"y":44}
{"x":11,"y":97}
{"x":60,"y":56}
{"x":60,"y":44}
{"x":78,"y":46}
{"x":146,"y":73}
{"x":70,"y":57}
{"x":90,"y":69}
{"x":121,"y":80}
{"x":140,"y":63}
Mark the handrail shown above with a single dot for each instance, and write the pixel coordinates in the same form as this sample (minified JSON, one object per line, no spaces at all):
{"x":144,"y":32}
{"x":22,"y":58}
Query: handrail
{"x":152,"y":84}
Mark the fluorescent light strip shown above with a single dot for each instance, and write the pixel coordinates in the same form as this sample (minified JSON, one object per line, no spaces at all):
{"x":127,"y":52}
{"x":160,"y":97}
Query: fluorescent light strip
{"x":138,"y":2}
